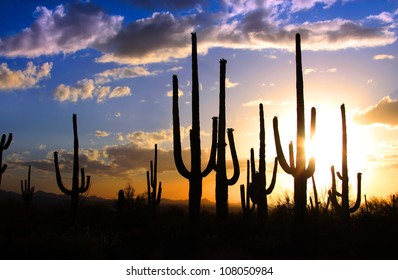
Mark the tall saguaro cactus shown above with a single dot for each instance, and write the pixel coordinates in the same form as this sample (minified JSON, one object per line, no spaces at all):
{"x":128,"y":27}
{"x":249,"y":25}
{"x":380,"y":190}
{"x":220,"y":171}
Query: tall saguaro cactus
{"x":259,"y":182}
{"x":4,"y":146}
{"x":299,"y":170}
{"x":344,"y":209}
{"x":153,"y":198}
{"x":222,"y":182}
{"x":195,"y":175}
{"x":76,"y":189}
{"x":26,"y":190}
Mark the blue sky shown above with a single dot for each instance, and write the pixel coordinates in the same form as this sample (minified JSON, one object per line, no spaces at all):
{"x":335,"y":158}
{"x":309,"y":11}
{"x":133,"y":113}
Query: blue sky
{"x":111,"y":63}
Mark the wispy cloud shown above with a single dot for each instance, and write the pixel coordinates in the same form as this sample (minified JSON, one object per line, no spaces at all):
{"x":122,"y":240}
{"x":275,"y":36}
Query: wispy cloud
{"x":257,"y":102}
{"x":122,"y":73}
{"x":383,"y":17}
{"x":383,"y":56}
{"x":23,"y":79}
{"x":101,"y":133}
{"x":309,"y":71}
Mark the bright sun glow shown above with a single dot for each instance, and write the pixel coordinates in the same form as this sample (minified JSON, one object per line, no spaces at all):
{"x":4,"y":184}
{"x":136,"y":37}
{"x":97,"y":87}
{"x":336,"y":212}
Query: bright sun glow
{"x":326,"y":146}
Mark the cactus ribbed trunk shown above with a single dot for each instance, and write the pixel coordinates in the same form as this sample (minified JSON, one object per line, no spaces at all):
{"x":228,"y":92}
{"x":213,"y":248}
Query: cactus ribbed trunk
{"x":259,"y":179}
{"x":222,"y":182}
{"x":26,"y":190}
{"x":298,"y":169}
{"x":344,"y":209}
{"x":154,"y":192}
{"x":195,"y":176}
{"x":75,"y":191}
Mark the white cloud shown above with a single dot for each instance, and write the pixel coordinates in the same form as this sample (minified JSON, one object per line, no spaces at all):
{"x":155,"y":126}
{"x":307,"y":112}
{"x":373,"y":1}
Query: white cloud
{"x":23,"y":79}
{"x":122,"y":73}
{"x":257,"y":103}
{"x":332,"y":70}
{"x":383,"y":56}
{"x":82,"y":90}
{"x":383,"y":17}
{"x":101,"y":133}
{"x":170,"y":93}
{"x":65,"y":29}
{"x":86,"y":89}
{"x":42,"y":147}
{"x":229,"y":84}
{"x":309,"y":71}
{"x":120,"y":92}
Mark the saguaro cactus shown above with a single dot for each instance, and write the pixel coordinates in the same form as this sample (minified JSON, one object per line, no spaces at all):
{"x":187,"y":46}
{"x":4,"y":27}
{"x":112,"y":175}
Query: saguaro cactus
{"x":259,"y":181}
{"x":26,"y":190}
{"x":196,"y":175}
{"x":4,"y":146}
{"x":85,"y":184}
{"x":344,"y":209}
{"x":298,"y":169}
{"x":153,"y":199}
{"x":245,"y":198}
{"x":222,"y":182}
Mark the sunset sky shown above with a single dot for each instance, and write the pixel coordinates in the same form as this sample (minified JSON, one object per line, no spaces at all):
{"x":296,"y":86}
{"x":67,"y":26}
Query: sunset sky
{"x":111,"y":63}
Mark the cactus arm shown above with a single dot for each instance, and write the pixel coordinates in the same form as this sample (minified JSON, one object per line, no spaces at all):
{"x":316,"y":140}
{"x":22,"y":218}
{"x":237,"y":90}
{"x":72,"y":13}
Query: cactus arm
{"x":85,"y":184}
{"x":311,"y":164}
{"x":273,"y":180}
{"x":3,"y":168}
{"x":358,"y":201}
{"x":281,"y":157}
{"x":311,"y":168}
{"x":213,"y":150}
{"x":5,"y":144}
{"x":248,"y":183}
{"x":291,"y":155}
{"x":242,"y":197}
{"x":148,"y":188}
{"x":159,"y":194}
{"x":58,"y":176}
{"x":155,"y":171}
{"x":313,"y":122}
{"x":176,"y":132}
{"x":235,"y":160}
{"x":332,"y":193}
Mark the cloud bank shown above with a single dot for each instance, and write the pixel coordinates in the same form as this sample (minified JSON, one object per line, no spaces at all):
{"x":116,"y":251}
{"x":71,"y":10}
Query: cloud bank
{"x":165,"y":36}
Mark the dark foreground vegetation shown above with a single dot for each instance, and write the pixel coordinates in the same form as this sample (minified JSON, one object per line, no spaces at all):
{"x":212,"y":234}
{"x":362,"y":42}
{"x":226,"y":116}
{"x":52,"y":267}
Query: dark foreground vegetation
{"x":137,"y":232}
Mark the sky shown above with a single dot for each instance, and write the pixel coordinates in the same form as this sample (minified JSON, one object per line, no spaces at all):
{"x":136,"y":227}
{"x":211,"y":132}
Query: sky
{"x":111,"y":63}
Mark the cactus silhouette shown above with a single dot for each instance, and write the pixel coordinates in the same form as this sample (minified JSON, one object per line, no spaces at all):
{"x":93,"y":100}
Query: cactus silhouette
{"x":344,"y":209}
{"x":245,"y":195}
{"x":85,"y":184}
{"x":4,"y":146}
{"x":298,"y":169}
{"x":153,"y":199}
{"x":314,"y":204}
{"x":222,"y":182}
{"x":26,"y":190}
{"x":259,"y":183}
{"x":196,"y":175}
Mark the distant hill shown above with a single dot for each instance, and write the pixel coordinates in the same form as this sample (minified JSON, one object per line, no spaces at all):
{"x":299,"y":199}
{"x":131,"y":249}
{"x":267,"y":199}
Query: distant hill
{"x":44,"y":198}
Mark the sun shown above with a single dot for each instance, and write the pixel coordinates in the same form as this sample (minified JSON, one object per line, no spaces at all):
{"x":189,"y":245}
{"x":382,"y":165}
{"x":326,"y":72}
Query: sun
{"x":326,"y":146}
